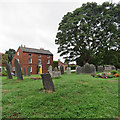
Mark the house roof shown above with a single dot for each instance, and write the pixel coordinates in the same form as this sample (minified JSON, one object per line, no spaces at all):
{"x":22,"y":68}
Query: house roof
{"x":33,"y":50}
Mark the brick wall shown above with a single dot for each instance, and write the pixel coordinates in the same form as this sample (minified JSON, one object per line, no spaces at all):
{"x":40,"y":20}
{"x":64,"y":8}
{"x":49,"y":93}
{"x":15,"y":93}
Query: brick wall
{"x":24,"y":61}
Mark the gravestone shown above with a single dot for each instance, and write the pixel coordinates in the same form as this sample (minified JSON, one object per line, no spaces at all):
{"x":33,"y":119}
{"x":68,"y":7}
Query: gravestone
{"x":87,"y":68}
{"x":78,"y":70}
{"x":18,"y":70}
{"x":113,"y":67}
{"x":55,"y":69}
{"x":108,"y":68}
{"x":100,"y":68}
{"x":62,"y":70}
{"x":28,"y":71}
{"x":68,"y":70}
{"x":47,"y":82}
{"x":10,"y":67}
{"x":50,"y":71}
{"x":9,"y":76}
{"x":93,"y":68}
{"x":24,"y":71}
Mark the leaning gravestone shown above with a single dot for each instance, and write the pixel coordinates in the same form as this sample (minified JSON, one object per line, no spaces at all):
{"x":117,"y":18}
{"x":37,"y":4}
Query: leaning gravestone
{"x":113,"y":67}
{"x":62,"y":70}
{"x":47,"y":82}
{"x":10,"y":67}
{"x":68,"y":70}
{"x":18,"y":70}
{"x":24,"y":71}
{"x":100,"y":68}
{"x":78,"y":70}
{"x":28,"y":71}
{"x":9,"y":76}
{"x":50,"y":70}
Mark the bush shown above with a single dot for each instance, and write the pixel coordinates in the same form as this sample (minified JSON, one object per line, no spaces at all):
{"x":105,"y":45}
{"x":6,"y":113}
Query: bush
{"x":55,"y":64}
{"x":4,"y":72}
{"x":73,"y":67}
{"x":113,"y":72}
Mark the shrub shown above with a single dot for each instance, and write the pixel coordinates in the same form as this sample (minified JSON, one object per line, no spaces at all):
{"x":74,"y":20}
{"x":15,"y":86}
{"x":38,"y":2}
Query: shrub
{"x":55,"y":64}
{"x":73,"y":67}
{"x":113,"y":72}
{"x":4,"y":72}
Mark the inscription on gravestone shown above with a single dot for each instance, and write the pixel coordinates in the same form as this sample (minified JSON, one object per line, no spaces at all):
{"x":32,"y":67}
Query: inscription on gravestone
{"x":9,"y":76}
{"x":47,"y":82}
{"x":18,"y":70}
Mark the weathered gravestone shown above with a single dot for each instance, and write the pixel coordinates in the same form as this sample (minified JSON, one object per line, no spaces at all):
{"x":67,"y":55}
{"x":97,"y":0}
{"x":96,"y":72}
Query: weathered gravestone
{"x":68,"y":70}
{"x":78,"y":70}
{"x":87,"y":68}
{"x":9,"y":76}
{"x":62,"y":70}
{"x":24,"y":71}
{"x":108,"y":68}
{"x":28,"y":71}
{"x":56,"y":73}
{"x":100,"y":68}
{"x":93,"y":68}
{"x":10,"y":67}
{"x":18,"y":70}
{"x":47,"y":82}
{"x":50,"y":71}
{"x":113,"y":67}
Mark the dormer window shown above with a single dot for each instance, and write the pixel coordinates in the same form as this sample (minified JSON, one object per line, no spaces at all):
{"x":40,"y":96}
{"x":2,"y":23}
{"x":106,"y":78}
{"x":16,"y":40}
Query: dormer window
{"x":17,"y":53}
{"x":30,"y":55}
{"x":48,"y":56}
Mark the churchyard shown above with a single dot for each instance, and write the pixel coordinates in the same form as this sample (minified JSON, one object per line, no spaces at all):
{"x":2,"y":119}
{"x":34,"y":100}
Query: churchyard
{"x":62,"y":94}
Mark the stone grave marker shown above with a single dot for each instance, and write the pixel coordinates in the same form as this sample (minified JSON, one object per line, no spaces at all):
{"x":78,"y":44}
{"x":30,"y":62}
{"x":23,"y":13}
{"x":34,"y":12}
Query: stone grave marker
{"x":78,"y":70}
{"x":55,"y":69}
{"x":50,"y":71}
{"x":28,"y":71}
{"x":93,"y":68}
{"x":18,"y":70}
{"x":62,"y":70}
{"x":24,"y":71}
{"x":68,"y":70}
{"x":108,"y":68}
{"x":100,"y":68}
{"x":9,"y":76}
{"x":47,"y":82}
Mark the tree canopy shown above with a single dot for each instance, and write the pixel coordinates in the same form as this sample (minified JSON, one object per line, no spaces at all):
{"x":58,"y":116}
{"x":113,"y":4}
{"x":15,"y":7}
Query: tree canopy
{"x":11,"y":53}
{"x":90,"y":32}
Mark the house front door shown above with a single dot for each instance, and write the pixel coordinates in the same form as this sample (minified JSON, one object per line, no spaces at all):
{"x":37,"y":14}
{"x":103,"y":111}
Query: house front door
{"x":40,"y":69}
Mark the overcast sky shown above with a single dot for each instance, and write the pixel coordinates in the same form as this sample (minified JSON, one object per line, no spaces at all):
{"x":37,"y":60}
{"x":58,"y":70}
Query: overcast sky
{"x":34,"y":23}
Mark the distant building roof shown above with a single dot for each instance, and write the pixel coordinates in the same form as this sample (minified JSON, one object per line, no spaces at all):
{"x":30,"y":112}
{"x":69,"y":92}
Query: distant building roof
{"x":33,"y":50}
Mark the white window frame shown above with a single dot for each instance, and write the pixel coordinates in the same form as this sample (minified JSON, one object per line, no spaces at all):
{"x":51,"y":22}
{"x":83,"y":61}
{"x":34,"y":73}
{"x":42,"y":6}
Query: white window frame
{"x":18,"y":53}
{"x":18,"y":60}
{"x":39,"y":60}
{"x":39,"y":55}
{"x":30,"y":68}
{"x":29,"y":61}
{"x":48,"y":62}
{"x":30,"y":55}
{"x":48,"y":56}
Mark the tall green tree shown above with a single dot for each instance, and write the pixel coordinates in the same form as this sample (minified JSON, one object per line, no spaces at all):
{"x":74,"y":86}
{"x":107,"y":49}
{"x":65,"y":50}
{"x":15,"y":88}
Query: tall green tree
{"x":88,"y":32}
{"x":11,"y":53}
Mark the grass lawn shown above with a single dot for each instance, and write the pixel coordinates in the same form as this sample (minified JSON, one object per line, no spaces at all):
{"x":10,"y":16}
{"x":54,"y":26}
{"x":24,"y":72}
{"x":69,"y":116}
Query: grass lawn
{"x":76,"y":96}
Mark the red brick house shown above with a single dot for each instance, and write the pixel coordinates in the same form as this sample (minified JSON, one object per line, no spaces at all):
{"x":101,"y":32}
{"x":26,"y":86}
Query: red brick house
{"x":34,"y":58}
{"x":63,"y":64}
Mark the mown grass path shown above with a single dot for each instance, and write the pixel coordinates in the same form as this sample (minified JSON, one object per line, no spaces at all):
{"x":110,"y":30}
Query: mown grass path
{"x":77,"y":96}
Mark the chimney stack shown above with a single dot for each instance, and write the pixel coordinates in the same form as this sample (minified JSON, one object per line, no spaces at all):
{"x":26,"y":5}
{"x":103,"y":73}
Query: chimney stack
{"x":24,"y":46}
{"x":41,"y":48}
